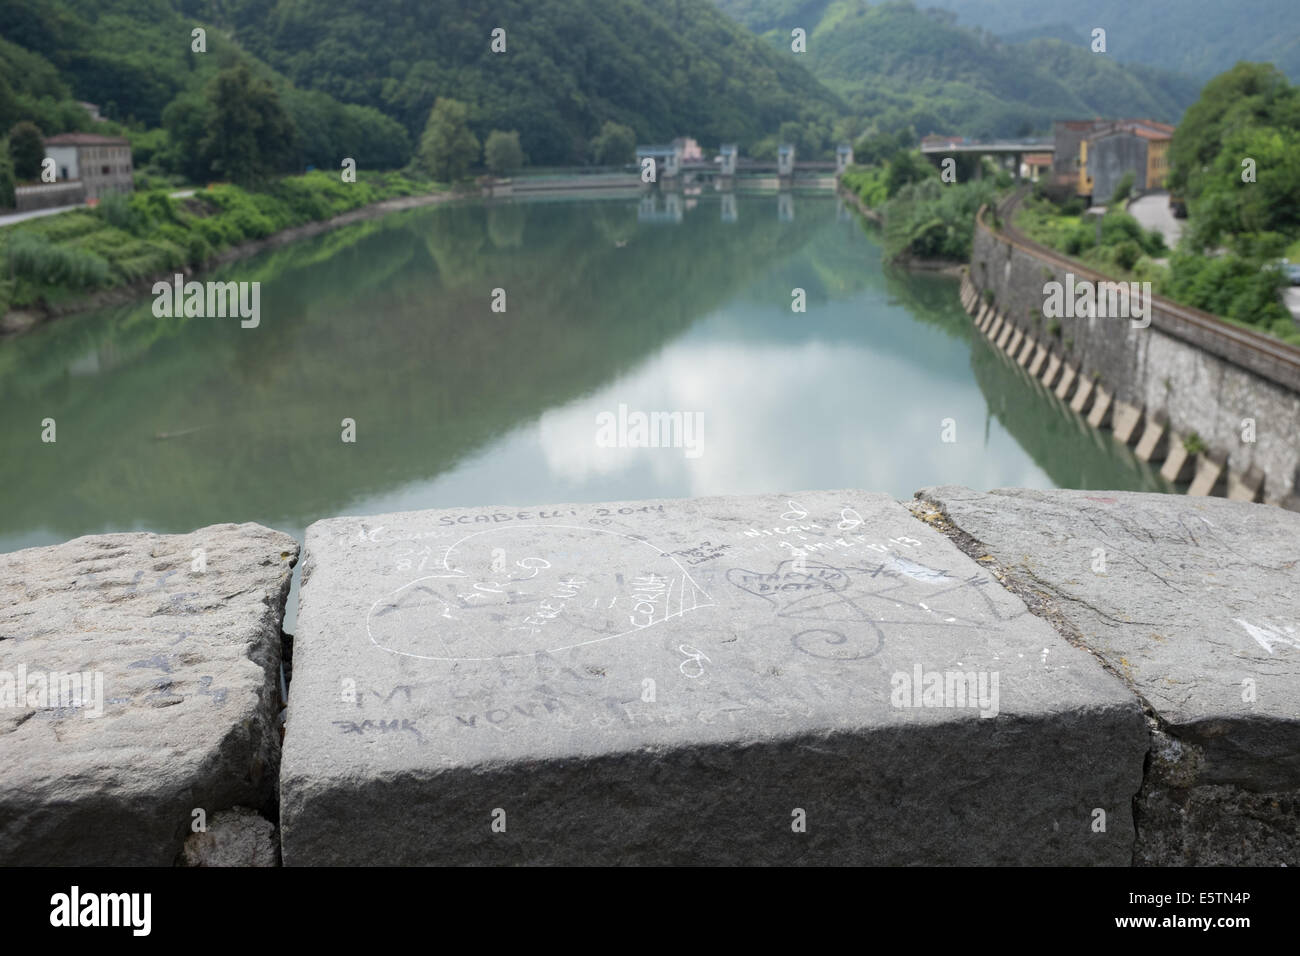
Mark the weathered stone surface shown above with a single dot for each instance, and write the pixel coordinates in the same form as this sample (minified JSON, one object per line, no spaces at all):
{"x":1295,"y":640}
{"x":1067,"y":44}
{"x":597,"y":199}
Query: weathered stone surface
{"x":1196,"y":605}
{"x":1209,"y":478}
{"x":1053,"y":369}
{"x":235,"y":837}
{"x":1005,"y":335}
{"x":1069,"y":375}
{"x":1153,"y":446}
{"x":661,"y":682}
{"x":1026,"y":352}
{"x":1102,"y":408}
{"x":1246,"y":487}
{"x":1036,"y":366}
{"x":1127,"y":422}
{"x":1183,"y":824}
{"x":1013,"y":345}
{"x":1083,"y":396}
{"x":182,"y":649}
{"x":1179,"y":462}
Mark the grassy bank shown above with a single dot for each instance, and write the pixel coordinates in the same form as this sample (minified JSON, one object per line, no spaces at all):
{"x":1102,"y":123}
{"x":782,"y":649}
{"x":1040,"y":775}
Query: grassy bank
{"x":126,"y":239}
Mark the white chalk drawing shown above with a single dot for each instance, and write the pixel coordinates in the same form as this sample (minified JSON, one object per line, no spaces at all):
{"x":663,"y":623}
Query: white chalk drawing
{"x":1267,"y":636}
{"x":479,"y":607}
{"x":693,"y":666}
{"x":797,"y":511}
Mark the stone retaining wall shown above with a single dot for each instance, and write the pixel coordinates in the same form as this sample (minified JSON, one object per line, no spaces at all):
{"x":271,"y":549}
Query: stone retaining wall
{"x":1155,"y":387}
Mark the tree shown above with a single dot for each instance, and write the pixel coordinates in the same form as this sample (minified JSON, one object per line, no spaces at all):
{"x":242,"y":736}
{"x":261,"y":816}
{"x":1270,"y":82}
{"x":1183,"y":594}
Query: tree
{"x":248,"y":135}
{"x":27,"y":147}
{"x":502,"y":153}
{"x":448,"y":148}
{"x":186,"y":121}
{"x":6,"y":179}
{"x":907,"y":166}
{"x":614,"y":145}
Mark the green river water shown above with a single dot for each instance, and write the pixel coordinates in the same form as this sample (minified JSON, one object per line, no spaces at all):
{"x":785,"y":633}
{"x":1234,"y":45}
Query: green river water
{"x":172,"y":424}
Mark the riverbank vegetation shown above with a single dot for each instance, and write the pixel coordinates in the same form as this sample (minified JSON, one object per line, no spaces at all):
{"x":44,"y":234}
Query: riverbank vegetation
{"x":1120,"y":245}
{"x":924,"y":217}
{"x":128,"y":239}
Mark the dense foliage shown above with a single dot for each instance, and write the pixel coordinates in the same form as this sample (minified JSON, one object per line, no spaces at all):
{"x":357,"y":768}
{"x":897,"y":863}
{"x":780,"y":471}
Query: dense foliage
{"x":502,"y":154}
{"x":127,"y":239}
{"x":924,"y":217}
{"x":1249,"y":113}
{"x":1197,"y":37}
{"x":901,"y":66}
{"x":662,"y":69}
{"x":448,"y":148}
{"x":1242,"y":287}
{"x":134,"y":60}
{"x":934,"y":220}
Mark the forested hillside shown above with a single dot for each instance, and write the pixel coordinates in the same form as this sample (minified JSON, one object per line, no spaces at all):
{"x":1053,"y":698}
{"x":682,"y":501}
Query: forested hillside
{"x":664,"y":69}
{"x":133,"y":59}
{"x":904,"y":65}
{"x":1197,"y":37}
{"x":349,"y":72}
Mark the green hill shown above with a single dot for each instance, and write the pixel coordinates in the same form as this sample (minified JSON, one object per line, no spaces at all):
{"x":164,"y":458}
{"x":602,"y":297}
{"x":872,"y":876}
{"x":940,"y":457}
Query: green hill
{"x":664,"y":69}
{"x":1200,"y":38}
{"x":133,"y":58}
{"x":905,"y":65}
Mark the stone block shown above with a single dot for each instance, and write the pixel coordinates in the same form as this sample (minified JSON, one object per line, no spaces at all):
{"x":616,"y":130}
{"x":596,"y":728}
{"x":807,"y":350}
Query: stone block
{"x":1083,"y":395}
{"x":1186,"y":598}
{"x":1013,"y":344}
{"x":684,"y":682}
{"x":1065,"y":386}
{"x":1127,"y":422}
{"x":1153,"y":447}
{"x":1209,"y":478}
{"x":1004,"y":336}
{"x":1100,"y":415}
{"x":1050,"y":373}
{"x":1036,"y":366}
{"x":1248,"y":486}
{"x":1179,"y":463}
{"x":176,"y":641}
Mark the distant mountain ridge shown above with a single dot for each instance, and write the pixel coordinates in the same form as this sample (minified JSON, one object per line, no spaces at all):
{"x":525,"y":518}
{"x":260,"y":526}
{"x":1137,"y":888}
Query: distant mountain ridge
{"x":1200,"y":38}
{"x":921,"y":66}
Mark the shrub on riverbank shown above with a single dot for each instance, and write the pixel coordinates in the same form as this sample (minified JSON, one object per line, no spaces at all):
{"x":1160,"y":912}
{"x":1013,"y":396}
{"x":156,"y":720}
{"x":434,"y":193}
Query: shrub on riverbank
{"x":129,"y":238}
{"x":867,"y":183}
{"x":935,"y":220}
{"x":1240,"y":286}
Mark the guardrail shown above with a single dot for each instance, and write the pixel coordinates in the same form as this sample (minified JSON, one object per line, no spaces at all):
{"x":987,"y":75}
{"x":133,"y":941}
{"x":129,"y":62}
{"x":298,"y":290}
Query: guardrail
{"x":1259,"y":354}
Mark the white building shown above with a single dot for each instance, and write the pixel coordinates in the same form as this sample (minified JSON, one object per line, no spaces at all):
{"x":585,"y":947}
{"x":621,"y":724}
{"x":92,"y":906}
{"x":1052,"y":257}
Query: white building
{"x":101,"y":163}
